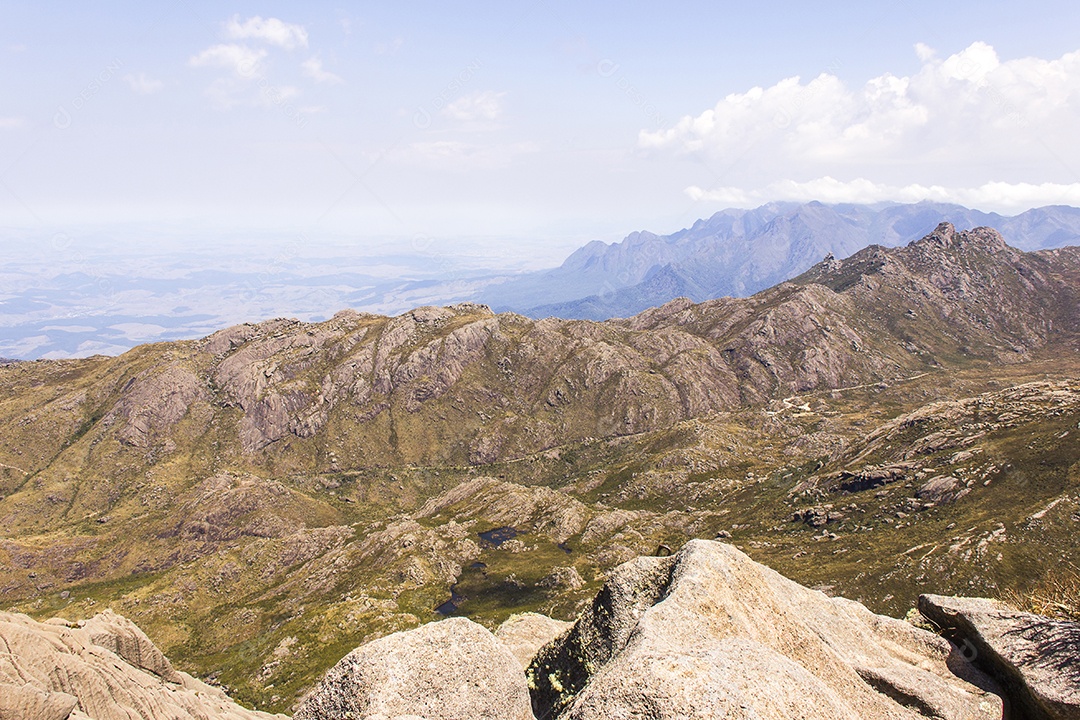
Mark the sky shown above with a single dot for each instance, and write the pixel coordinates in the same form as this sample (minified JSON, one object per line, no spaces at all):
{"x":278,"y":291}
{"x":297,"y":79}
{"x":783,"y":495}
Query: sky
{"x":527,"y":126}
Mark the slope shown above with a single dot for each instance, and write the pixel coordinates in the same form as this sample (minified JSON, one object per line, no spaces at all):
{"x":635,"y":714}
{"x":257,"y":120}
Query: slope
{"x":264,"y":499}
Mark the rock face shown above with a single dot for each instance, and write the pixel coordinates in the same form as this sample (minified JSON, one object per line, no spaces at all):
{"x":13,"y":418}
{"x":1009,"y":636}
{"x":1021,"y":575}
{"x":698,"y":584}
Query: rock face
{"x":708,"y":633}
{"x":1036,"y":659}
{"x":526,"y":633}
{"x":123,"y":637}
{"x":104,"y":669}
{"x":450,"y":670}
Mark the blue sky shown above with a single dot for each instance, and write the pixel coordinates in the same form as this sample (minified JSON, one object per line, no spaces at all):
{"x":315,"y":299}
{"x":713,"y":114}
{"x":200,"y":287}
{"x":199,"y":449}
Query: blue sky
{"x":557,"y":122}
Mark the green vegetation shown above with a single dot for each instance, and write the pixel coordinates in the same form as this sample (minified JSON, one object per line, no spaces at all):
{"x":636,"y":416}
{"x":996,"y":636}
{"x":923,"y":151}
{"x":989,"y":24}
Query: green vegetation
{"x":261,"y":584}
{"x":264,"y":500}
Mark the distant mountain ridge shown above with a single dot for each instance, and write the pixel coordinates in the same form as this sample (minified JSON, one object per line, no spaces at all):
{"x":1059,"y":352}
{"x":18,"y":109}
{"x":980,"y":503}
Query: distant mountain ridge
{"x":740,"y":252}
{"x":261,"y":500}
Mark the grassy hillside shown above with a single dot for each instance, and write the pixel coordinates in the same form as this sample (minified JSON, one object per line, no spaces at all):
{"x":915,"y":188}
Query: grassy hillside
{"x":265,"y":499}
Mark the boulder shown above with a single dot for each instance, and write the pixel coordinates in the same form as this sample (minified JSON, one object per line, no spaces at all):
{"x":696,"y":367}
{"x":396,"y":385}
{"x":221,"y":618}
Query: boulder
{"x":709,"y":633}
{"x":59,"y":671}
{"x":562,"y":578}
{"x":448,"y":670}
{"x":941,"y":489}
{"x":526,"y":633}
{"x":1035,"y":659}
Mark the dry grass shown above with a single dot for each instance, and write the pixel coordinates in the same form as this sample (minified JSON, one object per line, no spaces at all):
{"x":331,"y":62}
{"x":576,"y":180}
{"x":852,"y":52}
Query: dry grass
{"x":1057,"y":594}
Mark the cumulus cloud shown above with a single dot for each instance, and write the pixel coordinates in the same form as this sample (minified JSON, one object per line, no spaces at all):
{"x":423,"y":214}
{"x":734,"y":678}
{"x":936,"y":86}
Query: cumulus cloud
{"x":478,"y":106}
{"x":242,"y":60}
{"x":961,"y":121}
{"x":1001,"y":196}
{"x":313,"y":68}
{"x":143,"y":84}
{"x":271,"y":30}
{"x":249,"y":82}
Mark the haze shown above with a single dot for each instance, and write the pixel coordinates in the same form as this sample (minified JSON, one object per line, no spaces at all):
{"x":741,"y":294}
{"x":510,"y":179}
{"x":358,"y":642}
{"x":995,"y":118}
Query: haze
{"x":496,"y":135}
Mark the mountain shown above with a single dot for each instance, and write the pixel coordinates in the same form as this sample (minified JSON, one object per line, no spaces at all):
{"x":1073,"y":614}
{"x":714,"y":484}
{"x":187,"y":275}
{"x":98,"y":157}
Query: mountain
{"x":739,"y":252}
{"x":264,"y":499}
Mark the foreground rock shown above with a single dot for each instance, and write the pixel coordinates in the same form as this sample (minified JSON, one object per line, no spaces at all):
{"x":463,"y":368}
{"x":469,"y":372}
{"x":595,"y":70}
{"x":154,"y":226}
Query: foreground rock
{"x":104,"y":669}
{"x":452,"y":670}
{"x":1036,"y":659}
{"x":708,"y":633}
{"x":123,"y":637}
{"x":526,"y":633}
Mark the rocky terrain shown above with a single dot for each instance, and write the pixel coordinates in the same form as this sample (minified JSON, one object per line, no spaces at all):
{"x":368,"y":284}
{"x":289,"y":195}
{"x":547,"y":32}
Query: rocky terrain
{"x":704,"y":633}
{"x":710,"y":633}
{"x":103,"y":668}
{"x":1034,"y":658}
{"x":266,"y":499}
{"x":740,"y":252}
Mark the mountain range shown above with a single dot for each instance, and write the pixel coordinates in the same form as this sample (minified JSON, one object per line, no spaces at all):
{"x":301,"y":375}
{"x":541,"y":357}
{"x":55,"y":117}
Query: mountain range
{"x":262,"y":500}
{"x":102,"y":293}
{"x":739,"y":252}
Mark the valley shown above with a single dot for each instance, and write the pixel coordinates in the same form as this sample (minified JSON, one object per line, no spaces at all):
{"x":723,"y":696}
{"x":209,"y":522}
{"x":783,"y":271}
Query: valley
{"x":265,"y":499}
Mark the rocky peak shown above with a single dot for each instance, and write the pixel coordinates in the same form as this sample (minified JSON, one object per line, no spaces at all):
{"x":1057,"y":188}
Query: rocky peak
{"x":942,"y":236}
{"x":946,"y":237}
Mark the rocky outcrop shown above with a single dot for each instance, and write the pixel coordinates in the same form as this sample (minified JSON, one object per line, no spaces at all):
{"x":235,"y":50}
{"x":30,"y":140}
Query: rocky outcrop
{"x":526,"y":633}
{"x":945,"y":449}
{"x":709,"y":633}
{"x":154,"y":402}
{"x":447,"y":670}
{"x":227,"y":505}
{"x":562,"y":578}
{"x":102,"y":669}
{"x":123,"y":637}
{"x":539,"y":509}
{"x":1036,"y":659}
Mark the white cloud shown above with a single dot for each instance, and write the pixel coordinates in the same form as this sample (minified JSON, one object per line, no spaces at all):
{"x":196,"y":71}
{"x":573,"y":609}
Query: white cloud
{"x":313,"y":68}
{"x":995,"y":196}
{"x":478,"y":106}
{"x":960,"y":121}
{"x":245,"y":62}
{"x":270,"y":30}
{"x":143,"y":84}
{"x":12,"y":123}
{"x":924,"y":52}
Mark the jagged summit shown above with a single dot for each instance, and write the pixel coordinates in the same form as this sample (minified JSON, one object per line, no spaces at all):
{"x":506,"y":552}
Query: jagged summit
{"x":945,"y":235}
{"x":740,"y":252}
{"x":942,"y":236}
